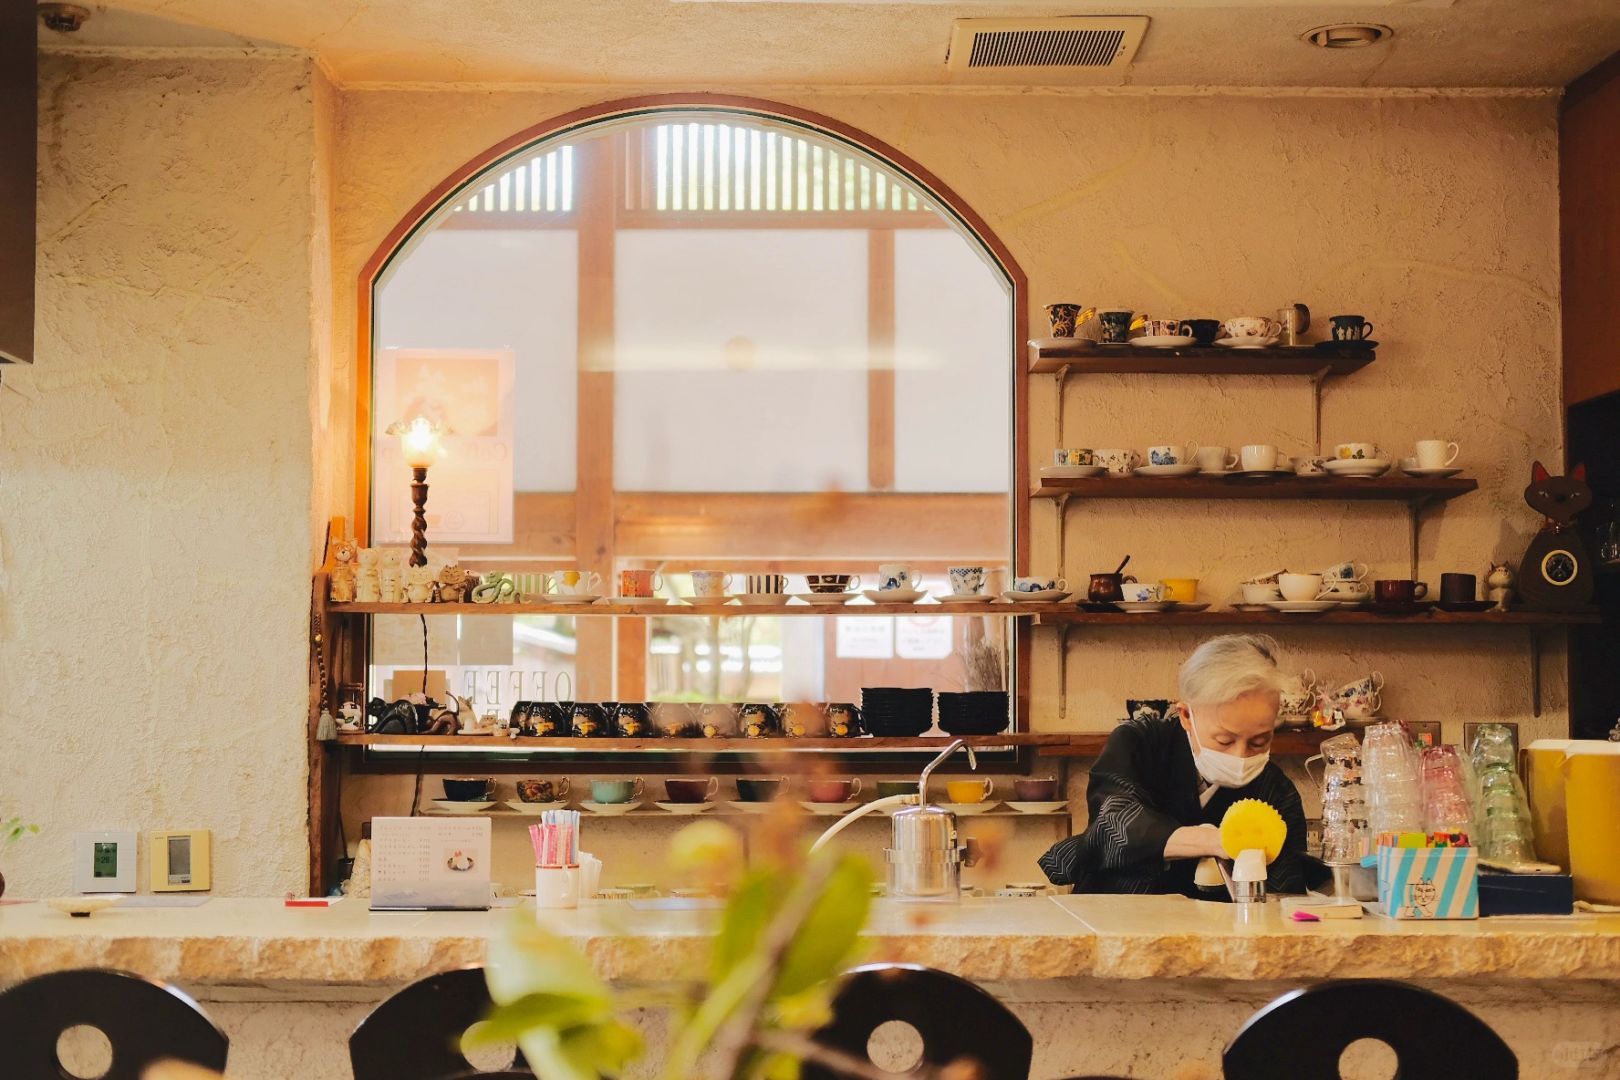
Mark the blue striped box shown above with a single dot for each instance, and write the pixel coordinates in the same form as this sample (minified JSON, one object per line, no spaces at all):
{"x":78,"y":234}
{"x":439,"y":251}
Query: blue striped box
{"x":1428,"y":883}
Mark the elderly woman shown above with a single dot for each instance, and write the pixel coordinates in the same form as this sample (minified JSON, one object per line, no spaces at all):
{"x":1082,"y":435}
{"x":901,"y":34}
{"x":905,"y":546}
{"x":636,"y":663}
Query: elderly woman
{"x":1160,"y":786}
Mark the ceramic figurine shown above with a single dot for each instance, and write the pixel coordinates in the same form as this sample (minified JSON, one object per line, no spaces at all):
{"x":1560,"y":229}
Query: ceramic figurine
{"x":445,"y":720}
{"x":494,"y":588}
{"x":367,"y":590}
{"x":341,"y":587}
{"x":1556,"y":572}
{"x":349,"y":717}
{"x":454,"y":584}
{"x":1499,"y":586}
{"x":418,"y":585}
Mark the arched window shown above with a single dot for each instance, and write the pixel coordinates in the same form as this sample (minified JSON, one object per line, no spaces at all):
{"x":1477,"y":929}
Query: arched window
{"x":692,"y":337}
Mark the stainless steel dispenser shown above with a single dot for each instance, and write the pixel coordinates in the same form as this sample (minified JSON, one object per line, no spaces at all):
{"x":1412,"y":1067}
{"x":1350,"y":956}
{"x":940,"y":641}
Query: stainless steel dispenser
{"x":925,"y":855}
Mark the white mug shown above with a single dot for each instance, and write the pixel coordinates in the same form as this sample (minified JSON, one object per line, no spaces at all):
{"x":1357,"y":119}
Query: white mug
{"x":1214,"y":459}
{"x":576,"y":582}
{"x":1258,"y":457}
{"x":898,"y":577}
{"x":1435,"y":453}
{"x":556,"y":887}
{"x":713,"y":583}
{"x":1300,"y":586}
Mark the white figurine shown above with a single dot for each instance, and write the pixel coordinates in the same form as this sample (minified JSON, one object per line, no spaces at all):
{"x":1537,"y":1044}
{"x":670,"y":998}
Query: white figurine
{"x":367,"y":587}
{"x":1499,"y":585}
{"x":342,"y":585}
{"x":418,"y":584}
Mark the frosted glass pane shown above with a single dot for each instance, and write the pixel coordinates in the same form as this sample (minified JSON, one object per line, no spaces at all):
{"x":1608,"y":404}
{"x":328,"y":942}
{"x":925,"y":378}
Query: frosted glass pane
{"x":740,"y":360}
{"x":500,"y":288}
{"x":953,"y":380}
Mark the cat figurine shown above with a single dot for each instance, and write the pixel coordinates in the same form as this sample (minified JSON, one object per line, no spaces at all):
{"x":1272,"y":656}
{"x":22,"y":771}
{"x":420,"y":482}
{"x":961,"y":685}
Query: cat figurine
{"x":340,"y":589}
{"x":1556,"y":571}
{"x":1499,"y":586}
{"x":418,"y":584}
{"x":367,"y":585}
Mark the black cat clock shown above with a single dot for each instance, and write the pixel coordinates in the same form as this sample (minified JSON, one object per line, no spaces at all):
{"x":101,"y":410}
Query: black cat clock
{"x":1556,"y":572}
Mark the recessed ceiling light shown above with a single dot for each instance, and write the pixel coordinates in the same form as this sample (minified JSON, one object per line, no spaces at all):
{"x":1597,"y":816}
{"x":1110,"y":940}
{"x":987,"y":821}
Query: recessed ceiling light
{"x":1347,"y":35}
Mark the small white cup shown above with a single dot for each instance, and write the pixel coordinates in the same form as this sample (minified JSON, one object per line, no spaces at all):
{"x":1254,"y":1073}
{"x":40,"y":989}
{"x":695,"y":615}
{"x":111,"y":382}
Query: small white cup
{"x":1435,"y":453}
{"x":713,"y":583}
{"x":556,"y":887}
{"x":1299,"y":587}
{"x":898,"y":577}
{"x":1258,"y":457}
{"x":1215,"y":459}
{"x":1261,"y":594}
{"x":577,"y":582}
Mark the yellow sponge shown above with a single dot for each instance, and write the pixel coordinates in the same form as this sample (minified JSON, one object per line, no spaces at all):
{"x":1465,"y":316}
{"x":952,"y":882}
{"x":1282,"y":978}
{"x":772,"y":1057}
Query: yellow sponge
{"x":1250,"y":823}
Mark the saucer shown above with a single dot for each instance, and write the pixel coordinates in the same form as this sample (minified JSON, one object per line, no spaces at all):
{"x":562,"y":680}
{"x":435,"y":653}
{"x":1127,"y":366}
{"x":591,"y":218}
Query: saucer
{"x":453,"y":806}
{"x":829,"y":809}
{"x":1218,"y":472}
{"x":687,"y":808}
{"x":1198,"y":605}
{"x":761,"y":807}
{"x":1359,"y":343}
{"x":724,"y":598}
{"x":1345,"y":599}
{"x":1300,"y":607}
{"x":571,"y":598}
{"x":1098,"y":607}
{"x":1251,"y":607}
{"x":535,"y":809}
{"x":1143,"y":606}
{"x":893,"y":596}
{"x":963,"y":598}
{"x":762,"y":599}
{"x":610,"y":809}
{"x":1045,"y":596}
{"x":631,"y":601}
{"x":1163,"y":341}
{"x":1413,"y":607}
{"x":1246,"y":343}
{"x":1433,"y":474}
{"x":967,"y":809}
{"x":1321,"y":474}
{"x":1185,"y":469}
{"x":82,"y":907}
{"x":1357,"y":467}
{"x":1466,"y":605}
{"x":1071,"y":472}
{"x":1038,"y":807}
{"x":1260,"y":474}
{"x":825,"y":599}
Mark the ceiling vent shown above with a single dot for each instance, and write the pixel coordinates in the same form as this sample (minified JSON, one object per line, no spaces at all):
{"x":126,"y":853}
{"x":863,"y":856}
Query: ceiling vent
{"x":1078,"y":49}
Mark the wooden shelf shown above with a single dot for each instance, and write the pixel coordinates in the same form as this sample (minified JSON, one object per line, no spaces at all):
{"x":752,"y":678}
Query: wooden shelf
{"x":706,"y":746}
{"x":1290,"y":741}
{"x":1049,"y":357}
{"x":1352,"y":617}
{"x":601,"y":609}
{"x":1351,"y":489}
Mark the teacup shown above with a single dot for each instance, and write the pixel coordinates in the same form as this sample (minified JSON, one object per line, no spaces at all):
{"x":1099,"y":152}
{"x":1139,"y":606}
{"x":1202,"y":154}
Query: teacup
{"x":531,"y":586}
{"x":1265,"y":579}
{"x":1361,"y":706}
{"x":1118,"y":462}
{"x":833,"y":791}
{"x":1252,"y":326}
{"x":468,"y":788}
{"x":1106,"y":588}
{"x":1357,"y":451}
{"x":803,"y":720}
{"x":1298,"y":587}
{"x":889,"y":788}
{"x":1035,"y":789}
{"x":1064,"y":456}
{"x":1349,"y":570}
{"x":577,"y":582}
{"x":1181,"y":589}
{"x":1298,"y":693}
{"x":1170,"y":454}
{"x":765,"y":584}
{"x":1142,"y":592}
{"x":969,"y":791}
{"x":1261,"y":594}
{"x":1435,"y":453}
{"x":1399,"y":590}
{"x":719,"y":720}
{"x":832,"y":583}
{"x":1359,"y":590}
{"x":1407,"y":464}
{"x":1038,"y":584}
{"x":1065,"y":318}
{"x":640,"y":583}
{"x":1350,"y":327}
{"x":686,"y":790}
{"x":1116,"y":326}
{"x":1258,"y":457}
{"x":1166,"y":328}
{"x":710,"y":583}
{"x":1215,"y":459}
{"x":1370,"y":683}
{"x":1311,"y":466}
{"x":673,"y":719}
{"x":543,"y":790}
{"x":616,"y":791}
{"x":966,"y":580}
{"x":759,"y":788}
{"x":1458,"y":588}
{"x":1204,"y":331}
{"x":898,"y":577}
{"x":633,"y":720}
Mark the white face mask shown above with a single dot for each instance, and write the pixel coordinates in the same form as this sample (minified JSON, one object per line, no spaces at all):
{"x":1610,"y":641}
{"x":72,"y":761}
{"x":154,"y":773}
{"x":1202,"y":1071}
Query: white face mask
{"x":1223,"y":769}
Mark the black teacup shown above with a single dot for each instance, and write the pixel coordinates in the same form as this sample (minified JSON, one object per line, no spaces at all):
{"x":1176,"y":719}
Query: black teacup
{"x":1116,"y":327}
{"x":548,"y":719}
{"x":1458,"y":588}
{"x":1350,"y":328}
{"x":1204,"y":331}
{"x":635,"y":720}
{"x":759,"y":788}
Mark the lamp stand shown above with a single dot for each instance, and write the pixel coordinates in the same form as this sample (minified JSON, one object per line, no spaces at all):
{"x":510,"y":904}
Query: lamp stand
{"x":419,"y":521}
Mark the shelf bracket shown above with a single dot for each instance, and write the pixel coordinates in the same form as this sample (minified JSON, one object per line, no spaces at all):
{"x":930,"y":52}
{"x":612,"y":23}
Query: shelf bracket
{"x":1535,"y":671}
{"x":1318,"y":377}
{"x":1063,"y":671}
{"x":1062,"y":386}
{"x":1061,"y":508}
{"x":1414,"y":510}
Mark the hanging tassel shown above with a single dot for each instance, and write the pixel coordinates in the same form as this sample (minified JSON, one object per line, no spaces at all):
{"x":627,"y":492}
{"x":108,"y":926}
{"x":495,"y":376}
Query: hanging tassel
{"x":326,"y":729}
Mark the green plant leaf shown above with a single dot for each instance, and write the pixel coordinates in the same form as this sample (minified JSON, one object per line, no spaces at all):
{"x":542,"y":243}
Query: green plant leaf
{"x":757,"y":899}
{"x":526,"y":959}
{"x":827,"y":939}
{"x":508,"y":1022}
{"x":780,"y":1067}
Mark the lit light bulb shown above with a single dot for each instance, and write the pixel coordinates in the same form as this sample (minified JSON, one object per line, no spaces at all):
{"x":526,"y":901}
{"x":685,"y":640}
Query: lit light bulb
{"x":419,"y":441}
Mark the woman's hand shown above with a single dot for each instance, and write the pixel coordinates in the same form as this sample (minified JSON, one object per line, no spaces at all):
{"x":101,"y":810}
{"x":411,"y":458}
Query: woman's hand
{"x":1194,"y":842}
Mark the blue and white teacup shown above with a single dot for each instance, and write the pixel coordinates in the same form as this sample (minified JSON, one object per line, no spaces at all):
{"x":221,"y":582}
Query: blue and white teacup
{"x":966,"y":580}
{"x":1039,"y":584}
{"x":898,"y":577}
{"x":1366,"y":686}
{"x":1142,"y":592}
{"x":1349,"y":570}
{"x":1169,"y":455}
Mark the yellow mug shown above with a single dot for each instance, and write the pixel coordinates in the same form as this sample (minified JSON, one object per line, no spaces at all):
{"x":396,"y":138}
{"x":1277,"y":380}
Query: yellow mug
{"x":969,"y":791}
{"x":1184,"y":589}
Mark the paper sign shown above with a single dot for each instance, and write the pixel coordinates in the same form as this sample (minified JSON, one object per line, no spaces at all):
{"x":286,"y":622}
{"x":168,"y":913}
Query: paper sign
{"x":430,"y":864}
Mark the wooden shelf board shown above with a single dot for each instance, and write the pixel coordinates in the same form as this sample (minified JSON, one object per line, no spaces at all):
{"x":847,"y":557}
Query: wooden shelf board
{"x":1289,"y":742}
{"x":1088,"y":358}
{"x":1355,"y":617}
{"x":599,"y":610}
{"x":706,"y":746}
{"x":1387,"y":488}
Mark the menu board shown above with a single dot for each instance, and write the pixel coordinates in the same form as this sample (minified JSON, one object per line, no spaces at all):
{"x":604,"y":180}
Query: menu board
{"x":430,"y":864}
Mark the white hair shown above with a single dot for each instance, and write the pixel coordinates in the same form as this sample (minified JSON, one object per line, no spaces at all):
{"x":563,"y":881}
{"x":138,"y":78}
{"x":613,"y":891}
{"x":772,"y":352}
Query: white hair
{"x":1225,"y":668}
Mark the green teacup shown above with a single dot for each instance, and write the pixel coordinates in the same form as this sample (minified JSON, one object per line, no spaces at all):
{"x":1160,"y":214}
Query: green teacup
{"x":615,"y":791}
{"x":886,"y":788}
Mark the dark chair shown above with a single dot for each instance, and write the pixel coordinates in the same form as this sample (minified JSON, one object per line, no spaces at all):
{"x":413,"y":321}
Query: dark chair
{"x":1301,"y":1035}
{"x":416,"y":1034}
{"x":955,"y":1018}
{"x":144,"y":1021}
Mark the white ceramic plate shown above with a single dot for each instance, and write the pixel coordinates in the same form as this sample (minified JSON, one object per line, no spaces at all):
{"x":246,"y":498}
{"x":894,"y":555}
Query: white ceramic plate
{"x":1163,"y":341}
{"x":829,"y":809}
{"x":82,"y":907}
{"x":1199,"y":605}
{"x":963,"y":598}
{"x":452,"y":806}
{"x":754,"y":807}
{"x":1435,"y":474}
{"x":686,"y":808}
{"x":571,"y":598}
{"x":1141,"y":606}
{"x":1254,"y":473}
{"x":1353,"y":466}
{"x":762,"y":599}
{"x":1045,"y":596}
{"x":1186,"y":468}
{"x":535,"y":809}
{"x":893,"y":596}
{"x":631,"y":601}
{"x":1250,"y":607}
{"x":1038,"y":807}
{"x":726,"y":599}
{"x":610,"y":809}
{"x":1071,"y":472}
{"x":1247,"y":343}
{"x":826,"y":599}
{"x":968,"y":809}
{"x":1296,"y":607}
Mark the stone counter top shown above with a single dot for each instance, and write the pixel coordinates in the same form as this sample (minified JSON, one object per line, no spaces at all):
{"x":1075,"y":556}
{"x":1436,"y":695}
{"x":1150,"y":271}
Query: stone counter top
{"x":250,"y":941}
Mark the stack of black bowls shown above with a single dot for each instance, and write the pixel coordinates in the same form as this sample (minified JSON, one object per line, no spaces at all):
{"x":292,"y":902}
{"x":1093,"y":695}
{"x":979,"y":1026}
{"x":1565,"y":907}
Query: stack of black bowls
{"x":895,"y":712}
{"x":975,"y":712}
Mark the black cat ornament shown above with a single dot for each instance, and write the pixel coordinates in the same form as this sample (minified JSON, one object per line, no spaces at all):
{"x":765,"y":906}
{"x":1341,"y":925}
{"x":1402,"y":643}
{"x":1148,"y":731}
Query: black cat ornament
{"x":1556,"y":572}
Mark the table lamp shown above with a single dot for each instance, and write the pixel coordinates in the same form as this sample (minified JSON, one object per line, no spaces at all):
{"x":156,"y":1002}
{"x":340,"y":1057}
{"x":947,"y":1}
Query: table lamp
{"x":420,"y":444}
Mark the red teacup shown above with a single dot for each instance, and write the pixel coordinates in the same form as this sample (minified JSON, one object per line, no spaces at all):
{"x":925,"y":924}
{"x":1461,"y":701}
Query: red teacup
{"x":833,"y":791}
{"x":1041,"y":789}
{"x":1398,"y":590}
{"x":691,"y":791}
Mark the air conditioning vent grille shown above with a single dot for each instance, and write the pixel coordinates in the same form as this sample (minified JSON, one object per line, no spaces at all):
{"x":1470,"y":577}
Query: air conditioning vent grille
{"x":1045,"y":48}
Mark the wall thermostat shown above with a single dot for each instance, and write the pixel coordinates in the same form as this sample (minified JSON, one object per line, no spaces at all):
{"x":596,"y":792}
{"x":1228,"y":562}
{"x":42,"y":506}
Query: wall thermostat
{"x":179,"y":860}
{"x":103,"y":862}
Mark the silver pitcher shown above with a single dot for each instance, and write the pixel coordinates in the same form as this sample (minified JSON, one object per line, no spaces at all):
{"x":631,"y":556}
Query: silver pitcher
{"x":925,"y":855}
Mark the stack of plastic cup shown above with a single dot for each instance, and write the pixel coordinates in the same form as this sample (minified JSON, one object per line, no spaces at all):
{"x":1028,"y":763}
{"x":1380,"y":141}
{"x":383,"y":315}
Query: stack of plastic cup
{"x":1393,"y":781}
{"x":1446,"y":806}
{"x":1344,"y":802}
{"x":1500,"y":806}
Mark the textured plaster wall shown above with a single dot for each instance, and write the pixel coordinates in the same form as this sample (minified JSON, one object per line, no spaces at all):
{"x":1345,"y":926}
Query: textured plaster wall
{"x":155,"y":470}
